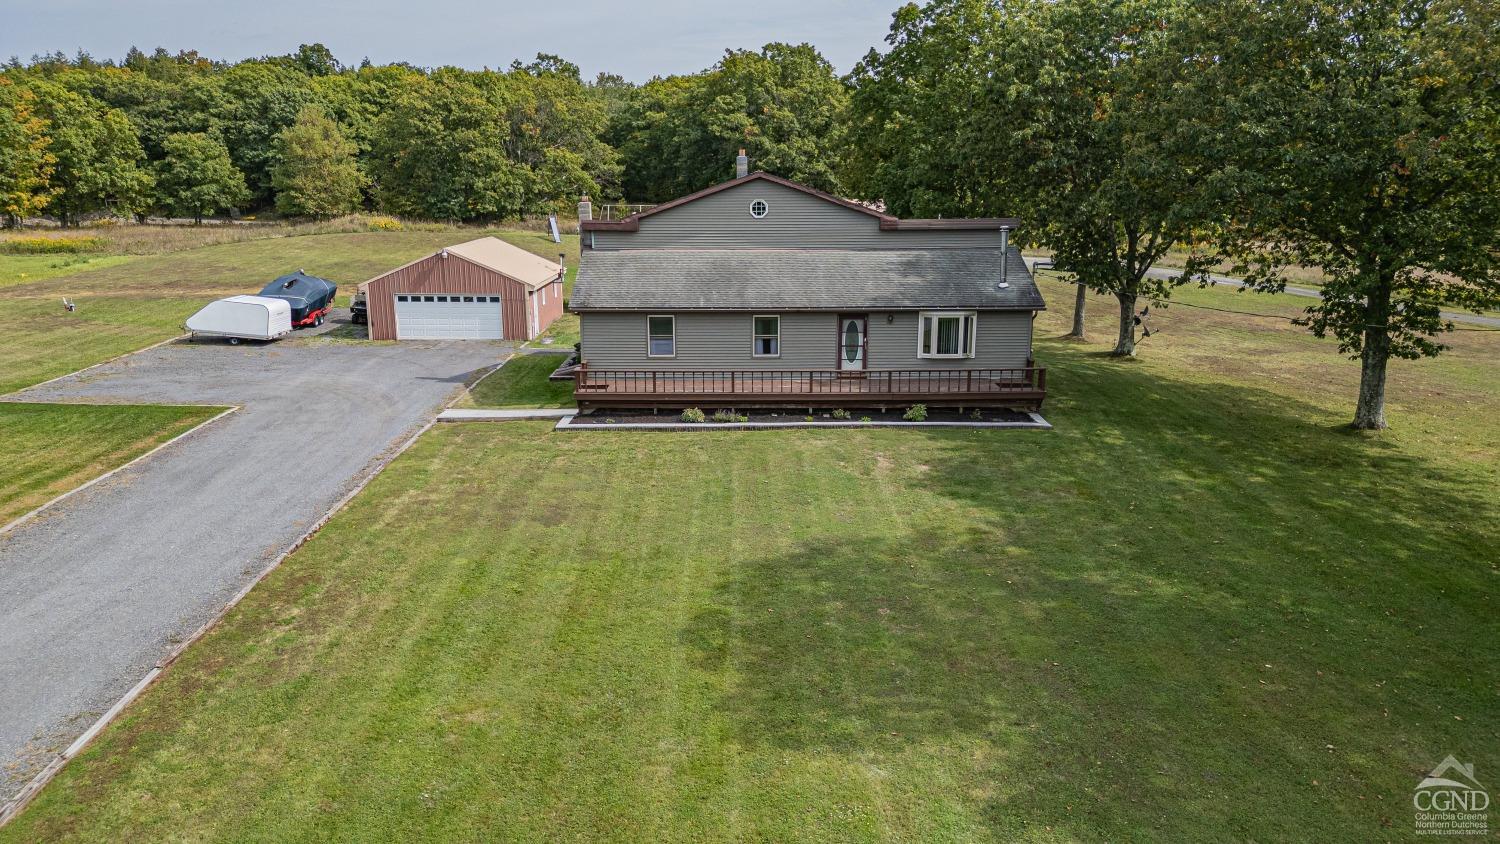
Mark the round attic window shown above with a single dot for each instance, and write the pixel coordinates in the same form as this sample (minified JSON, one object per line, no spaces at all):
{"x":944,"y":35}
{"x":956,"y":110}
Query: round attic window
{"x":758,"y":208}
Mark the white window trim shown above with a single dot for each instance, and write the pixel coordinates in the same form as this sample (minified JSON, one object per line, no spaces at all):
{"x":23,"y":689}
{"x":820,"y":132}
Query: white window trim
{"x":923,"y":316}
{"x":754,"y":337}
{"x":762,"y":202}
{"x":673,"y":318}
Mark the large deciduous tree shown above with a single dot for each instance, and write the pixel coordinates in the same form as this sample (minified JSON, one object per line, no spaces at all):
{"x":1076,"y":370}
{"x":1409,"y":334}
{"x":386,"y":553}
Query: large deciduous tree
{"x":260,"y":99}
{"x":783,"y":104}
{"x":197,"y":177}
{"x":25,"y":161}
{"x":439,"y":153}
{"x":1060,"y":112}
{"x":316,"y":174}
{"x":1364,"y":139}
{"x":99,"y":156}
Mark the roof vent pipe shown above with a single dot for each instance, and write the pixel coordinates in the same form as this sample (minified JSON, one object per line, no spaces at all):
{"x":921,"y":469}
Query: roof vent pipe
{"x":1004,"y":256}
{"x":741,"y":165}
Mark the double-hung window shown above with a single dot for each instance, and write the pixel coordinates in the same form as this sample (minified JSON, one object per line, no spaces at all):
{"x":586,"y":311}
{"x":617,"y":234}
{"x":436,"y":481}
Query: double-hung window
{"x":767,"y":340}
{"x":661,"y":336}
{"x":946,"y":334}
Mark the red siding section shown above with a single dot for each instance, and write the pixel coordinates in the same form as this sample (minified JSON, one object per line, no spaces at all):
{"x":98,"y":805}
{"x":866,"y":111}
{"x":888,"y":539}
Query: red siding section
{"x":436,"y":274}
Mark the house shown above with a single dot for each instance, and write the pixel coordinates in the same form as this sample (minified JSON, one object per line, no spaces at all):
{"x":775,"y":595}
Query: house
{"x":767,"y":293}
{"x":485,"y":289}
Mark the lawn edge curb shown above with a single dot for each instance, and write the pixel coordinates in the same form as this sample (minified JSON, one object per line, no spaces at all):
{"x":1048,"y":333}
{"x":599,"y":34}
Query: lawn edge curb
{"x":567,"y":424}
{"x":172,"y":339}
{"x":32,"y":514}
{"x":12,"y":809}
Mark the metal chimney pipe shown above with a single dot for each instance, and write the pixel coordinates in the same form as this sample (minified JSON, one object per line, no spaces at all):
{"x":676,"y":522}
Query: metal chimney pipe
{"x":1004,"y":255}
{"x":741,"y":165}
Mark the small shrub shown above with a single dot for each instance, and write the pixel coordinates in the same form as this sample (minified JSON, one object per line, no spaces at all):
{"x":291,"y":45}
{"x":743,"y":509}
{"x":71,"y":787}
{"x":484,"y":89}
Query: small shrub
{"x":841,"y":413}
{"x":916,"y":413}
{"x":976,"y":414}
{"x":807,"y":419}
{"x":382,"y":223}
{"x":51,"y":245}
{"x":729,"y":416}
{"x":866,"y":419}
{"x":693,"y":415}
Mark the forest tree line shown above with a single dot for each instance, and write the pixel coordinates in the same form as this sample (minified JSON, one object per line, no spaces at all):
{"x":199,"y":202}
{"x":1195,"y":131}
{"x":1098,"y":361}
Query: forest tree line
{"x":1361,"y":137}
{"x":183,"y":135}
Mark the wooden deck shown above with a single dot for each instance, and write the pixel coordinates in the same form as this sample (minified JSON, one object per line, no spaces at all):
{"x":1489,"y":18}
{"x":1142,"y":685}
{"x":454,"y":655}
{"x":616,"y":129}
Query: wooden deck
{"x":810,"y":388}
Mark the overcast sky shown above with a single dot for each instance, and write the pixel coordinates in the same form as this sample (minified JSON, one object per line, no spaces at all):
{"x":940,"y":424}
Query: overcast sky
{"x":635,"y":38}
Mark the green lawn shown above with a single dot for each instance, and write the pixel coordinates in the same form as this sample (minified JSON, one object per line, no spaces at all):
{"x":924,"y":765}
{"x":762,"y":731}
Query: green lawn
{"x":1199,"y":609}
{"x":50,"y":448}
{"x":27,"y":269}
{"x":522,"y":382}
{"x":125,"y":303}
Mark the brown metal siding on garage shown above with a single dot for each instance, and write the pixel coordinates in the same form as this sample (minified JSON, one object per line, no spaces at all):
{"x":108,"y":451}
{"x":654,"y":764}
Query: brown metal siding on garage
{"x":436,"y":274}
{"x":549,"y":301}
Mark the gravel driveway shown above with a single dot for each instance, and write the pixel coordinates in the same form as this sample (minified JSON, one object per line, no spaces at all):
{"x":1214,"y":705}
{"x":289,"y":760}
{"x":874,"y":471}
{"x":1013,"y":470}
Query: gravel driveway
{"x":95,"y":591}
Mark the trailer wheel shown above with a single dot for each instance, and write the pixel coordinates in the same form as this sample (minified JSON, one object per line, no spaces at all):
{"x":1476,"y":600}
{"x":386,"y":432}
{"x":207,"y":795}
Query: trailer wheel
{"x":319,"y":321}
{"x":234,"y":341}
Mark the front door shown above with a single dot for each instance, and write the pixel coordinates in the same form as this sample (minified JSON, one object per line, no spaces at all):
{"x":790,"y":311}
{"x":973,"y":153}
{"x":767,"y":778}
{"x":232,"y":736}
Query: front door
{"x":852,"y":331}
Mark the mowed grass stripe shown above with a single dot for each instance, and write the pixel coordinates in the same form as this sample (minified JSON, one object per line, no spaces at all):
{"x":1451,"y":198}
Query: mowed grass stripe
{"x":51,"y":449}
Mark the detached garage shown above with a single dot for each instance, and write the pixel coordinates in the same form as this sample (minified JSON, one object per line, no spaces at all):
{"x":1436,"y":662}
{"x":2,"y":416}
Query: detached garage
{"x":485,"y":289}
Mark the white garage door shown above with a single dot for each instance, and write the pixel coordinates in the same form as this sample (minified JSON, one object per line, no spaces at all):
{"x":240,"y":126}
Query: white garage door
{"x":437,"y":316}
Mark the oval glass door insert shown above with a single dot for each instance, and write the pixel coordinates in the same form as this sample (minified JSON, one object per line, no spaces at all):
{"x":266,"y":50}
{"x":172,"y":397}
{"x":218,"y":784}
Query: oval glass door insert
{"x":851,"y":340}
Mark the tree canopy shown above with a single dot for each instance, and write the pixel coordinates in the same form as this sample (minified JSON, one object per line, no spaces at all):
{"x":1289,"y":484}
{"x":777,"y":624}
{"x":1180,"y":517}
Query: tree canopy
{"x":26,"y":162}
{"x":197,"y":177}
{"x":783,"y":104}
{"x":316,"y":174}
{"x":1058,"y":111}
{"x":1372,"y":153}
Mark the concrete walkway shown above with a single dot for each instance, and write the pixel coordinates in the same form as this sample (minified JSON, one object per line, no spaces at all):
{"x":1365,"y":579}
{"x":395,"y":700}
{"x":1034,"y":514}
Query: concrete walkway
{"x":96,"y":589}
{"x":481,"y":414}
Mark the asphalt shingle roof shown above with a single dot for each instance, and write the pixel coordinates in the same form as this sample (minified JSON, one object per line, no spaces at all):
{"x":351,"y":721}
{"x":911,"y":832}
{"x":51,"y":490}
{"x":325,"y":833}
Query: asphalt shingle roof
{"x":802,"y":279}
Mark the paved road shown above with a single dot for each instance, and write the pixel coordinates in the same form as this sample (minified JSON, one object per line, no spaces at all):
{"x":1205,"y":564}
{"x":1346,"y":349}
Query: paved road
{"x":98,"y":588}
{"x":1309,"y":292}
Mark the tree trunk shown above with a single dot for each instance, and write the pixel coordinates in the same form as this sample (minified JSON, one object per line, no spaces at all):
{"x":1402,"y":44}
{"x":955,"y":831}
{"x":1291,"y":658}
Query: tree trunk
{"x":1078,"y":306}
{"x":1369,"y":414}
{"x":1125,"y":345}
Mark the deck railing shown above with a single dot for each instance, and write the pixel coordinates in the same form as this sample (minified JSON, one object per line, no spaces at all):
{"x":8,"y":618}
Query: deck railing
{"x":792,"y":384}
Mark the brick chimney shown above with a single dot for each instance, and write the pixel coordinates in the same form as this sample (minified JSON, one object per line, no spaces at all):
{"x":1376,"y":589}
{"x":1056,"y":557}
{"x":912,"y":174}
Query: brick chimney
{"x":585,"y":209}
{"x":741,"y":165}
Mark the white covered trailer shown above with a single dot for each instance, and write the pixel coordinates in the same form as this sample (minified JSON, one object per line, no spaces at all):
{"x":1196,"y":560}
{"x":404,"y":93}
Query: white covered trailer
{"x":243,"y":317}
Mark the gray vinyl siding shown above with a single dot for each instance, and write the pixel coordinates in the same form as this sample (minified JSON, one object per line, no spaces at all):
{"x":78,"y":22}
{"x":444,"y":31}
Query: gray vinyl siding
{"x":722,"y":340}
{"x":1002,"y":340}
{"x":707,"y":341}
{"x":795,"y":220}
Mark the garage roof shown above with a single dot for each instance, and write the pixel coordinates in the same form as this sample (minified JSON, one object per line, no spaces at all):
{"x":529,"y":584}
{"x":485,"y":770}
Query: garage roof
{"x":492,"y":253}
